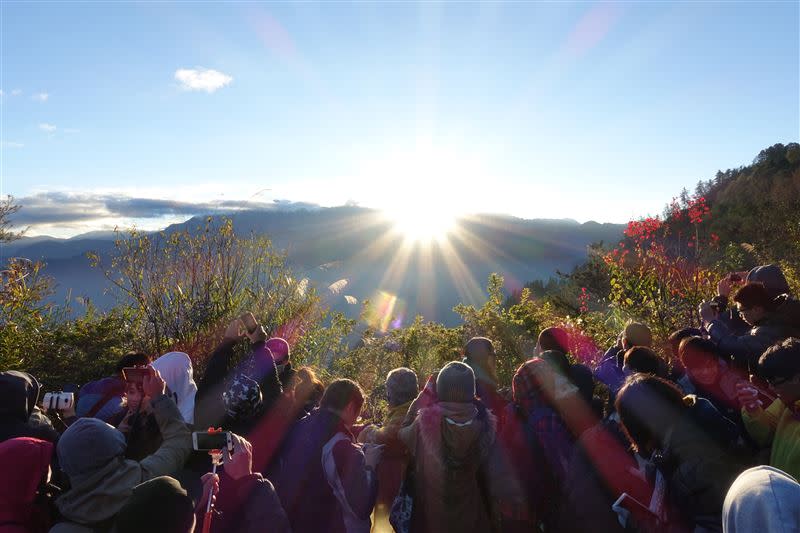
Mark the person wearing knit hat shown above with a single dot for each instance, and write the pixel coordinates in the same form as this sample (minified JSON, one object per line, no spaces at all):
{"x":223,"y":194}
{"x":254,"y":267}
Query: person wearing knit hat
{"x":451,"y":442}
{"x":159,"y":505}
{"x":636,"y":334}
{"x":281,"y":353}
{"x":402,"y":386}
{"x":456,"y":383}
{"x":91,"y":455}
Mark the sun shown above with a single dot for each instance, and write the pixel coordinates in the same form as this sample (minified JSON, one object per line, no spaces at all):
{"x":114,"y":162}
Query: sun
{"x":422,"y":223}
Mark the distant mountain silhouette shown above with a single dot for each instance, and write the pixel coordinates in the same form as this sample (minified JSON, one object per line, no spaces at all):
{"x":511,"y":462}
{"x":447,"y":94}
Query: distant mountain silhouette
{"x":361,"y":246}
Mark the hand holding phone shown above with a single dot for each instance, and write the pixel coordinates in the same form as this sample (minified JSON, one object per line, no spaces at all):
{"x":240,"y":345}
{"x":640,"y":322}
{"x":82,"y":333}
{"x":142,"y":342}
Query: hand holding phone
{"x":136,"y":374}
{"x":206,"y":441}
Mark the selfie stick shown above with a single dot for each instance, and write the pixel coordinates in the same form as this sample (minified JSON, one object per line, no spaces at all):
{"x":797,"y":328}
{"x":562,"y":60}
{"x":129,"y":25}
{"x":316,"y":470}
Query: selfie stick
{"x":216,"y":459}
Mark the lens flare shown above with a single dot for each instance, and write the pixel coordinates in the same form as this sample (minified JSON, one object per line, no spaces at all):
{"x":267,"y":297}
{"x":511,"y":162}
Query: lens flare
{"x":386,"y":312}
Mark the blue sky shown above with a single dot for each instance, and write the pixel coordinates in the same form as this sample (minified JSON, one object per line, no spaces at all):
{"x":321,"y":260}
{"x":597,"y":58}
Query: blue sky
{"x":598,"y":111}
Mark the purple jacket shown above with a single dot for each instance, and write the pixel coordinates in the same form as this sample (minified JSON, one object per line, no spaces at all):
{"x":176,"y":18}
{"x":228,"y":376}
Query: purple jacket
{"x":305,"y":489}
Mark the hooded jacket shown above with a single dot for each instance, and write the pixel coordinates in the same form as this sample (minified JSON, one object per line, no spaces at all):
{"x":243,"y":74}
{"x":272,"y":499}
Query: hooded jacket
{"x":451,"y":446}
{"x":176,"y":370}
{"x":247,"y":505}
{"x":24,"y":462}
{"x":762,"y":499}
{"x":92,"y":455}
{"x":19,"y":392}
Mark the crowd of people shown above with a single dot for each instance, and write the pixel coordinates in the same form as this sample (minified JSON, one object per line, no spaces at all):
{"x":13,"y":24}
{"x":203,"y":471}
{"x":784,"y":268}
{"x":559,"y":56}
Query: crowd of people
{"x":700,"y":434}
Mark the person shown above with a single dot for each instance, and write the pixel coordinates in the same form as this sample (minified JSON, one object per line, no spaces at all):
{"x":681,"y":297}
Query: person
{"x":452,"y":443}
{"x":777,"y":426}
{"x":91,"y":455}
{"x":139,"y":425}
{"x":245,"y":501}
{"x":402,"y":386}
{"x":762,"y":498}
{"x":759,"y":311}
{"x":711,"y":377}
{"x":266,"y":415}
{"x":308,"y":391}
{"x":19,"y":414}
{"x":536,"y":440}
{"x":771,"y":276}
{"x":667,"y":432}
{"x":176,"y":369}
{"x":25,"y":496}
{"x":281,"y":354}
{"x":327,"y":482}
{"x":480,"y":356}
{"x":678,"y":374}
{"x":609,"y":370}
{"x":159,"y":505}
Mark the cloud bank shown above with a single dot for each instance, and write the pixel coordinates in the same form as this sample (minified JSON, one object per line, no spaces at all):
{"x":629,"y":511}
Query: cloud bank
{"x":49,"y":208}
{"x":202,"y":79}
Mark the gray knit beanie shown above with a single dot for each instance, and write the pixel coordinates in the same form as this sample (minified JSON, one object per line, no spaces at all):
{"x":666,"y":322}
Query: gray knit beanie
{"x":401,"y":386}
{"x":456,"y":383}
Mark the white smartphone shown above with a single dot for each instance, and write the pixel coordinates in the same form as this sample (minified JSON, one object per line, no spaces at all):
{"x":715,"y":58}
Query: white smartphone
{"x":204,"y":441}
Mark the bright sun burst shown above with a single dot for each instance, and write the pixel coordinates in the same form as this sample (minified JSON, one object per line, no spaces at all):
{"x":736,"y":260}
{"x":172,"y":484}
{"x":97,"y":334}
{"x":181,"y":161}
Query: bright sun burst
{"x":423,"y":223}
{"x":430,"y":190}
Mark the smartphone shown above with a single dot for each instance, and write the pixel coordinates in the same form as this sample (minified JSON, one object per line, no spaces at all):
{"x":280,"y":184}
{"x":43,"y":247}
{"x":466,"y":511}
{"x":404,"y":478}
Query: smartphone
{"x":249,"y":322}
{"x":136,"y":374}
{"x":204,"y":441}
{"x":58,"y":401}
{"x":637,"y":508}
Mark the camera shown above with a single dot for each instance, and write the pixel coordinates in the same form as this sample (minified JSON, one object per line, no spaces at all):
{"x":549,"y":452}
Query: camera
{"x":58,"y":401}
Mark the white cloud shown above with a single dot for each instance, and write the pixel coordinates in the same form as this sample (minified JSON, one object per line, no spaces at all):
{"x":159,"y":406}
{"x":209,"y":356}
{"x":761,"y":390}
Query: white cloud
{"x":16,"y":92}
{"x":49,"y":128}
{"x":40,"y":97}
{"x":202,"y":79}
{"x":12,"y":144}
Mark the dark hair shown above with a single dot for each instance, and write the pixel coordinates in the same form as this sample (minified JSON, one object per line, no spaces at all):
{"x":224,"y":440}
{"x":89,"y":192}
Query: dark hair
{"x":697,"y":351}
{"x":781,"y":360}
{"x":554,"y":339}
{"x":647,"y":407}
{"x":341,"y":393}
{"x":476,"y":344}
{"x":645,"y":360}
{"x":676,"y":337}
{"x":754,"y":294}
{"x":132,"y":359}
